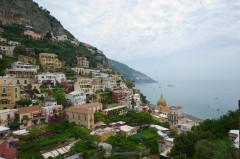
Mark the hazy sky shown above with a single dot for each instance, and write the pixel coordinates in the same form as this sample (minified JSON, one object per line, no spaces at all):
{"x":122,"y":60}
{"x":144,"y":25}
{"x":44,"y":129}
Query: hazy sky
{"x":165,"y":39}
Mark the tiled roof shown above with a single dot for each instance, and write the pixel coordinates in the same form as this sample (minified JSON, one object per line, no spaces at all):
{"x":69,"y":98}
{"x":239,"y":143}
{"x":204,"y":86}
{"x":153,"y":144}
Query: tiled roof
{"x":90,"y":105}
{"x":77,"y":109}
{"x":29,"y":109}
{"x":164,"y":109}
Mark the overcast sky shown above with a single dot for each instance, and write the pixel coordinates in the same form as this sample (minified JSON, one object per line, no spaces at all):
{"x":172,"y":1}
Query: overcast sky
{"x":165,"y":39}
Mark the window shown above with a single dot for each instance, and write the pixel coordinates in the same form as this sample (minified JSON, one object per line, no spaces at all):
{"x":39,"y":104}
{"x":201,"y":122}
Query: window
{"x":25,"y":81}
{"x":16,"y":90}
{"x":3,"y":90}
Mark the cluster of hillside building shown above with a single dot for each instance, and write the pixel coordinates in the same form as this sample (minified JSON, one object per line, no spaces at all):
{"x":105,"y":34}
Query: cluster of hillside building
{"x":84,"y":93}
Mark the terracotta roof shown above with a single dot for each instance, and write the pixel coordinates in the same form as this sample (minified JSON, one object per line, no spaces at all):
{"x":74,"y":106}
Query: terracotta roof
{"x":90,"y":105}
{"x":164,"y":109}
{"x":77,"y":109}
{"x":28,"y":109}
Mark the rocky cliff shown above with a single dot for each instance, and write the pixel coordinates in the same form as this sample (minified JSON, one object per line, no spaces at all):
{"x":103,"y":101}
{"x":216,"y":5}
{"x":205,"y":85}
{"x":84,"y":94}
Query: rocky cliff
{"x":28,"y":13}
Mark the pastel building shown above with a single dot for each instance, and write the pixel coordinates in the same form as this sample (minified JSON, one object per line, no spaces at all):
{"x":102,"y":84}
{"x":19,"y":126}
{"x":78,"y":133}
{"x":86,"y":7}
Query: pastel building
{"x":7,"y":50}
{"x":9,"y":94}
{"x":7,"y":116}
{"x":22,"y":70}
{"x":49,"y":61}
{"x":56,"y":77}
{"x":83,"y":62}
{"x":26,"y":59}
{"x":81,"y":116}
{"x":32,"y":35}
{"x":77,"y":97}
{"x":29,"y":116}
{"x":8,"y":145}
{"x":127,"y":130}
{"x":83,"y":85}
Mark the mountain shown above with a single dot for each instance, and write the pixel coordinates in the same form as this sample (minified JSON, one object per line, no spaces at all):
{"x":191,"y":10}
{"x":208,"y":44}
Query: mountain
{"x":28,"y":13}
{"x":19,"y":15}
{"x":129,"y":73}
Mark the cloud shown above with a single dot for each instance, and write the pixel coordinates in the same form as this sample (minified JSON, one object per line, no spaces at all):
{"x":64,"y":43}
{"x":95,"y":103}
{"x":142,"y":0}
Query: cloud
{"x":138,"y":30}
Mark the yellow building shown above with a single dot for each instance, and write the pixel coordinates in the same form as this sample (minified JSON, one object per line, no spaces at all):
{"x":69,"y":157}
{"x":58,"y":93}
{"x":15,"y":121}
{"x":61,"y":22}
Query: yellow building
{"x":81,"y":116}
{"x":103,"y":134}
{"x":9,"y":94}
{"x":14,"y":80}
{"x":26,"y":59}
{"x":50,"y":61}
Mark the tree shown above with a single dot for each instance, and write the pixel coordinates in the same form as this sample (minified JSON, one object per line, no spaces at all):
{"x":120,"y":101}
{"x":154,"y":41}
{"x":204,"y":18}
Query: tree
{"x":218,"y":149}
{"x":24,"y":102}
{"x":60,"y":98}
{"x":184,"y":144}
{"x":48,"y":35}
{"x":19,"y":50}
{"x":98,"y":116}
{"x":4,"y":62}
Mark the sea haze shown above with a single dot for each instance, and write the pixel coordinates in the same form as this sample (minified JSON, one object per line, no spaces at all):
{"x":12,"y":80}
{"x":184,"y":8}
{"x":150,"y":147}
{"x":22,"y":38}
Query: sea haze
{"x":203,"y":99}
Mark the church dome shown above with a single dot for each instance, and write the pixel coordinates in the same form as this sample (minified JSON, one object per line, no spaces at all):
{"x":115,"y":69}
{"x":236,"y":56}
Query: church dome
{"x":161,"y":101}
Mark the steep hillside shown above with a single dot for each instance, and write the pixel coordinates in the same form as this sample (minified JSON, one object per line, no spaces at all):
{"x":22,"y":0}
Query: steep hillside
{"x":28,"y":13}
{"x":129,"y":73}
{"x":19,"y":15}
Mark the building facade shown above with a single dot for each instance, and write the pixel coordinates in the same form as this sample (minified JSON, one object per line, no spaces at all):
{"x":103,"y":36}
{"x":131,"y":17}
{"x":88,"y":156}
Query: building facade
{"x":81,"y":116}
{"x":29,"y":116}
{"x":9,"y":94}
{"x":26,"y":59}
{"x":77,"y":97}
{"x":49,"y":61}
{"x":22,"y":70}
{"x":83,"y":62}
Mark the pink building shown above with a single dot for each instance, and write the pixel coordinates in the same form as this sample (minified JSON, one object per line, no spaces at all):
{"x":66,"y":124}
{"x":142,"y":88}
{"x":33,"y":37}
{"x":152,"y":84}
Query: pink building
{"x":32,"y":35}
{"x":8,"y":145}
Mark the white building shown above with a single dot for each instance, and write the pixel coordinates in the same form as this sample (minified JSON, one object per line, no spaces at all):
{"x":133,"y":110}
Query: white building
{"x":7,"y":116}
{"x":51,"y":107}
{"x":53,"y":77}
{"x":77,"y":97}
{"x":62,"y":38}
{"x":234,"y":136}
{"x":7,"y":50}
{"x":13,"y":43}
{"x":127,"y":130}
{"x":3,"y":40}
{"x":22,"y":70}
{"x":83,"y":85}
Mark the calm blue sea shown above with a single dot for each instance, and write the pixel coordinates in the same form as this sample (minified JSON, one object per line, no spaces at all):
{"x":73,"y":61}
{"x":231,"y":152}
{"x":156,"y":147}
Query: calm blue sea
{"x":202,"y":99}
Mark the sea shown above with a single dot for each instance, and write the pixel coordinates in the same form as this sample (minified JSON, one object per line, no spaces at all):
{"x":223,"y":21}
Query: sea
{"x":201,"y":99}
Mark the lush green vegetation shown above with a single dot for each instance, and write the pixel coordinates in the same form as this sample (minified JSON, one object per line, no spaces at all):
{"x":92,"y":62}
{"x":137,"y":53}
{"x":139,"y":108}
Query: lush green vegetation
{"x":133,"y":118}
{"x":47,"y":137}
{"x":60,"y":98}
{"x":24,"y":102}
{"x":4,"y":63}
{"x":208,"y":140}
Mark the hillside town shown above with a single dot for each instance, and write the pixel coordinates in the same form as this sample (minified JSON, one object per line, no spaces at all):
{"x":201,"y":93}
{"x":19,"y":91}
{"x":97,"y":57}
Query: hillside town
{"x":40,"y":101}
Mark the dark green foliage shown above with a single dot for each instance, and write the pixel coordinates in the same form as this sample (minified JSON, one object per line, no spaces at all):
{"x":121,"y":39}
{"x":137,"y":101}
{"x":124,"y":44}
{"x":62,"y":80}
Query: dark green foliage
{"x":60,"y":98}
{"x":208,"y":139}
{"x":19,"y":50}
{"x":129,"y":84}
{"x":141,"y":118}
{"x":219,"y":149}
{"x":143,"y":99}
{"x":24,"y":102}
{"x":12,"y":32}
{"x":4,"y":63}
{"x":123,"y":144}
